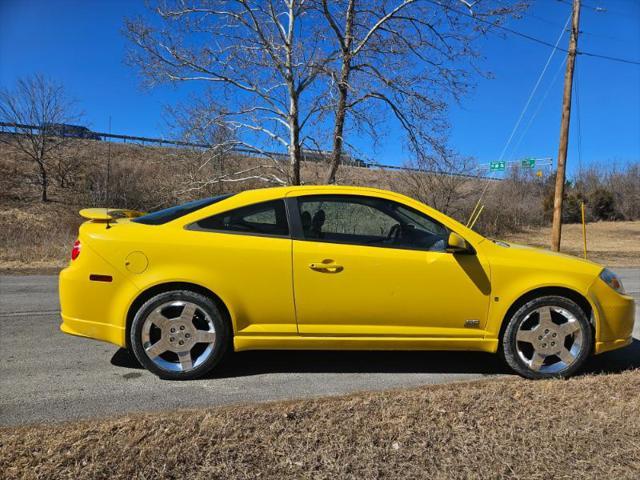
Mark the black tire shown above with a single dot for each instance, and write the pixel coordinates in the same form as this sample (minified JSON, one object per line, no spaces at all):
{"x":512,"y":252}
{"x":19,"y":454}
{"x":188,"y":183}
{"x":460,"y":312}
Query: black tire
{"x":206,"y":304}
{"x":509,"y":344}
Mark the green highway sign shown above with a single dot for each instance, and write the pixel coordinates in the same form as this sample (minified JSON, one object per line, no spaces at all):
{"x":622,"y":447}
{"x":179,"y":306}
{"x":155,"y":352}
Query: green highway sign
{"x":528,"y":163}
{"x":497,"y":166}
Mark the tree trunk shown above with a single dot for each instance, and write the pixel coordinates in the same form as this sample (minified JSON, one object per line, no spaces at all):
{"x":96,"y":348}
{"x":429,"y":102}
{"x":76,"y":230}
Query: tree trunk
{"x":341,"y":111}
{"x":44,"y":182}
{"x":343,"y":92}
{"x":295,"y":151}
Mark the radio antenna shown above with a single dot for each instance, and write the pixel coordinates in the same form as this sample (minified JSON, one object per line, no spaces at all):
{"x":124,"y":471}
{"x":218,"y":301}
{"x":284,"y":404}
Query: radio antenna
{"x":108,"y":171}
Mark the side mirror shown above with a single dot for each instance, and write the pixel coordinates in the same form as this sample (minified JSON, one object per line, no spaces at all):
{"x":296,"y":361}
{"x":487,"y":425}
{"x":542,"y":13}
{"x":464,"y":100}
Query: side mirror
{"x":457,"y":244}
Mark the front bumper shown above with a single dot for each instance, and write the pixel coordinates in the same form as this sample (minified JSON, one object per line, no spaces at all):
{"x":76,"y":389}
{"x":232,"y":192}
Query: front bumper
{"x":615,"y":317}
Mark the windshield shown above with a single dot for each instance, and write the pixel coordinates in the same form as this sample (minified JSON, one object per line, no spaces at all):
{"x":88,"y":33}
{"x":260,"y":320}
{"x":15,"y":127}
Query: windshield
{"x":168,"y":214}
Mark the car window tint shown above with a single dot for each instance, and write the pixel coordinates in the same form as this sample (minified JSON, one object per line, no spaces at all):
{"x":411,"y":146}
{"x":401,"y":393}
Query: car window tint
{"x":422,"y":221}
{"x":369,"y":221}
{"x":328,"y":217}
{"x":267,"y":218}
{"x":168,"y":214}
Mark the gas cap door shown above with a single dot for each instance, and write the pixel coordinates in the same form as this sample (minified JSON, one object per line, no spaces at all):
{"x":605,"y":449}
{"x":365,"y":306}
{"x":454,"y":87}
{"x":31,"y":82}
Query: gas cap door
{"x":136,"y":262}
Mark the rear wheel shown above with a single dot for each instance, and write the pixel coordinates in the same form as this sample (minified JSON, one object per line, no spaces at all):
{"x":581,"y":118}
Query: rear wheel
{"x":179,"y":335}
{"x":547,"y":337}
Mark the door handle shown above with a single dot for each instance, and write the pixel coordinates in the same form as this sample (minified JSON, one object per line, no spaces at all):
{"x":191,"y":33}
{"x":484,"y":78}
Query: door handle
{"x":326,"y":266}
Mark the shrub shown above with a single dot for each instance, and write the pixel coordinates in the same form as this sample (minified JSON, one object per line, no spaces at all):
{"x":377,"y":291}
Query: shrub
{"x":572,"y":208}
{"x":602,"y":205}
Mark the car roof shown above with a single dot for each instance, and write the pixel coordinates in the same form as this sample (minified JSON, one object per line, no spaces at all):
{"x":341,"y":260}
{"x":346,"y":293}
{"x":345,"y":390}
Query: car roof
{"x":273,"y":191}
{"x":247,"y":197}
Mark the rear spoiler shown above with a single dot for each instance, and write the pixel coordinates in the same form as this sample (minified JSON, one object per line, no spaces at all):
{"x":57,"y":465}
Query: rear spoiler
{"x":107,"y":214}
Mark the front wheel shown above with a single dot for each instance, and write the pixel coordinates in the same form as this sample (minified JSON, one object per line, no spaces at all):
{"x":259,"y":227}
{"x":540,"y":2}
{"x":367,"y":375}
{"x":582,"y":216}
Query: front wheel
{"x":547,"y":337}
{"x":179,"y":335}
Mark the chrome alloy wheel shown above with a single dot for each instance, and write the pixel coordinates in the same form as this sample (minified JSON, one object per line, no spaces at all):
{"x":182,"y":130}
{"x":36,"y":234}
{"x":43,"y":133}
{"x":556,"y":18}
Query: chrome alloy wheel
{"x":549,"y":339}
{"x":178,"y":336}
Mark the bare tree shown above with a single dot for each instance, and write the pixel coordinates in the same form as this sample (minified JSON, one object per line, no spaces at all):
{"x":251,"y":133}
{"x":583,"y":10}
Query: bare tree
{"x":253,"y":58}
{"x":406,"y":58}
{"x":444,"y":182}
{"x":209,"y":158}
{"x":625,"y":185}
{"x":66,"y":165}
{"x":212,"y":161}
{"x":37,"y":101}
{"x":282,"y":72}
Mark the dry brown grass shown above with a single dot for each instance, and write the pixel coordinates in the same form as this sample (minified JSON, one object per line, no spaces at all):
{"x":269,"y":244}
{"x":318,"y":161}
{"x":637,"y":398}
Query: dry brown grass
{"x":36,"y":237}
{"x":587,"y":427}
{"x":609,"y":243}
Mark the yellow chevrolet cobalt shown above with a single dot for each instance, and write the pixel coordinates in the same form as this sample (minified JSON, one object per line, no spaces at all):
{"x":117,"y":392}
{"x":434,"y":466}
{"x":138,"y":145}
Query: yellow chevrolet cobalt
{"x":329,"y":267}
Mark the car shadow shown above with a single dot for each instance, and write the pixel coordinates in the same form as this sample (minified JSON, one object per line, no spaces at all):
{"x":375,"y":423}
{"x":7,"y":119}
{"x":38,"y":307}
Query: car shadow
{"x":318,"y":361}
{"x":616,"y":361}
{"x":260,"y":362}
{"x":125,"y":359}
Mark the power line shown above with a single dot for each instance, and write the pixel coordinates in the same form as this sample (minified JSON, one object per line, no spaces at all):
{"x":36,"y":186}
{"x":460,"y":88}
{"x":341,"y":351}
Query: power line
{"x":582,"y":32}
{"x":592,"y":7}
{"x":576,"y":91}
{"x":524,"y":109}
{"x":517,"y":124}
{"x":515,"y":150}
{"x":607,"y":57}
{"x":529,"y":37}
{"x":598,"y":9}
{"x":534,"y":90}
{"x":544,"y":20}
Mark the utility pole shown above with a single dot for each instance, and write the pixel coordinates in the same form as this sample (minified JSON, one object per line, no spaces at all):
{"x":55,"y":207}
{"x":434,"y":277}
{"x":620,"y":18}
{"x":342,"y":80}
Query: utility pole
{"x":556,"y":229}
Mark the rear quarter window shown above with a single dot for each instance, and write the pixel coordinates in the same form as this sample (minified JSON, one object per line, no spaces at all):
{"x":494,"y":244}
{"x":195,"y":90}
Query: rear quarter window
{"x":266,"y":218}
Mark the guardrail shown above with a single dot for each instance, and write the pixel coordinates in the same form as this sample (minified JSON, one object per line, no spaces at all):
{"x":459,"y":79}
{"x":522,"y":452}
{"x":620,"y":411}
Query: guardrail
{"x":14,"y":129}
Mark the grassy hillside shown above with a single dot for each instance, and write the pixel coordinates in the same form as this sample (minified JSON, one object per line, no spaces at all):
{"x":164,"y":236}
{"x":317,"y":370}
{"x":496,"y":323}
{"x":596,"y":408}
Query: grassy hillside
{"x":36,"y":236}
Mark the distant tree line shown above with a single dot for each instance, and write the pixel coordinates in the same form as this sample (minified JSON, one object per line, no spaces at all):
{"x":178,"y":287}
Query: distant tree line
{"x":147,"y":178}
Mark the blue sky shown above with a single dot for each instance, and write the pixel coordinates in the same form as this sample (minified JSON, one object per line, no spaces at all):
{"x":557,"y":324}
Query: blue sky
{"x":79,"y":43}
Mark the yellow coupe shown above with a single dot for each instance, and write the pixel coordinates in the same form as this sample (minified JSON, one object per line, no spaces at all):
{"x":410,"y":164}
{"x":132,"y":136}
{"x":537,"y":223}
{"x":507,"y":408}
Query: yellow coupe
{"x":330,"y":267}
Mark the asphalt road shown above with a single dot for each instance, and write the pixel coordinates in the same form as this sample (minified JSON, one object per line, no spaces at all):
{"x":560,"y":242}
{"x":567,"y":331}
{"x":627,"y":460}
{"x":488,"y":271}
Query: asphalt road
{"x":46,"y":376}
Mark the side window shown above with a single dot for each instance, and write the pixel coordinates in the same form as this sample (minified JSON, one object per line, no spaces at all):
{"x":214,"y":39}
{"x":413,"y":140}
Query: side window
{"x":421,"y":222}
{"x":343,"y":219}
{"x":369,"y":221}
{"x":268,"y":218}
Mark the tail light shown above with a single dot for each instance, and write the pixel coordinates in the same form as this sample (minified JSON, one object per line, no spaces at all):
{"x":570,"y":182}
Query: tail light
{"x":75,"y":251}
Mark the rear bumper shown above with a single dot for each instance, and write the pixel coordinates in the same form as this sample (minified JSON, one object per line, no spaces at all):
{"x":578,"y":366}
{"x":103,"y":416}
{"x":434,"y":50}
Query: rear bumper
{"x":615,"y":316}
{"x":95,"y":309}
{"x":95,"y":330}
